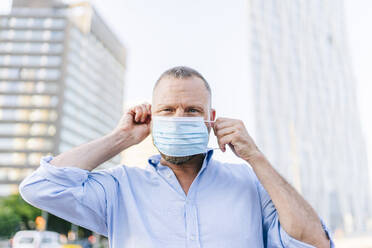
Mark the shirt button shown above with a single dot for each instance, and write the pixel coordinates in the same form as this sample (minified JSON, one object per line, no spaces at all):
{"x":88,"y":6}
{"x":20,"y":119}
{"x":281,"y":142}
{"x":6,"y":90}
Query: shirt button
{"x":169,"y":175}
{"x":192,"y":237}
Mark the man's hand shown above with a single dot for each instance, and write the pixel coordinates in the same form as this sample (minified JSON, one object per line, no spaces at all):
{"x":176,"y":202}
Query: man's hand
{"x":135,"y":123}
{"x":232,"y":132}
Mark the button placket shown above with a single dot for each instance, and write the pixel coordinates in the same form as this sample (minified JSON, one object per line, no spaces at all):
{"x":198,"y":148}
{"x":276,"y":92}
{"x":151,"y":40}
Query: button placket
{"x":191,"y":217}
{"x":192,"y":229}
{"x":192,"y":222}
{"x":167,"y":175}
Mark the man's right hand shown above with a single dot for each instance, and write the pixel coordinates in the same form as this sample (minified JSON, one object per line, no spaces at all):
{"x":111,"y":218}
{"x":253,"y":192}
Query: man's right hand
{"x":135,"y":123}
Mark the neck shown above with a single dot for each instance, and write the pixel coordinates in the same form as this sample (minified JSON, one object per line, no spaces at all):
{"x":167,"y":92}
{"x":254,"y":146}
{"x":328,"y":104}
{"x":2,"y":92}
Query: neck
{"x":187,"y":169}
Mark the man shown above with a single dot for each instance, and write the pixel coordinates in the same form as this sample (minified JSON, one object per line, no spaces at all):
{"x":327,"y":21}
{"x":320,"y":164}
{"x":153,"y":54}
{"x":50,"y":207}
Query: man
{"x":184,"y":198}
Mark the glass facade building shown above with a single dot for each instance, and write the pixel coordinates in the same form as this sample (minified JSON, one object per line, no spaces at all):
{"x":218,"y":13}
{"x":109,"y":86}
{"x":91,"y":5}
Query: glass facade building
{"x":307,"y":118}
{"x":61,"y":84}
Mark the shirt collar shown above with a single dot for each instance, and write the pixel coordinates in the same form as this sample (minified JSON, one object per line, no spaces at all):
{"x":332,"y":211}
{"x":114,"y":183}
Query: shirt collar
{"x":154,"y":160}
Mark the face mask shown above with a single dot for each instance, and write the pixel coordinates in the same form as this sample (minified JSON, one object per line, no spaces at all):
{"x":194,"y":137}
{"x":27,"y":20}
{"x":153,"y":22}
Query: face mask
{"x":180,"y":136}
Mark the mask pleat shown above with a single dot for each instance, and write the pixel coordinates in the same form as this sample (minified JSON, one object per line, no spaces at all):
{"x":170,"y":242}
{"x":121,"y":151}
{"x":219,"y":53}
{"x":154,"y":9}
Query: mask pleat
{"x":175,"y":136}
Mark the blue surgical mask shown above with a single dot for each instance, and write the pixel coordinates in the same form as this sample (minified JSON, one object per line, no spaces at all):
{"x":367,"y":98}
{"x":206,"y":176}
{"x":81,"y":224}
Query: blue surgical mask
{"x":180,"y":136}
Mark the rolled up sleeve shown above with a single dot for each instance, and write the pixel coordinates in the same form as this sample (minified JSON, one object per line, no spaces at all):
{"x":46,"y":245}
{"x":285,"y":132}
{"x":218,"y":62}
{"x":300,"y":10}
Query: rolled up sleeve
{"x":74,"y":194}
{"x":290,"y":242}
{"x":274,"y":234}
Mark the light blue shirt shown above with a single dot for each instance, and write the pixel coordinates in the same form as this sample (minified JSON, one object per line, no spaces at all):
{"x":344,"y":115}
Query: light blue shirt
{"x":226,"y":206}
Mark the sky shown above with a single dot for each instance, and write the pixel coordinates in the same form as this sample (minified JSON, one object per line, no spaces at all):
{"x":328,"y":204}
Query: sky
{"x":358,"y":21}
{"x":208,"y":39}
{"x":211,"y":36}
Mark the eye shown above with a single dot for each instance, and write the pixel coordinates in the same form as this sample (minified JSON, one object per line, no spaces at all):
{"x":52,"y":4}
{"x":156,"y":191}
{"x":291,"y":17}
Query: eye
{"x":193,"y":110}
{"x":167,"y":110}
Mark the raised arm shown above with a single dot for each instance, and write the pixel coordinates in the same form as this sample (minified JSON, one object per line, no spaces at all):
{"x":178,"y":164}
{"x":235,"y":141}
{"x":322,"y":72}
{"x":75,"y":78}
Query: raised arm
{"x":296,"y":216}
{"x":133,"y":127}
{"x":66,"y":187}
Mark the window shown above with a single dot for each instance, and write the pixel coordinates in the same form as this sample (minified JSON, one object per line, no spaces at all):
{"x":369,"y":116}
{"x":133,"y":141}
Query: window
{"x":34,"y":158}
{"x":51,"y":74}
{"x":39,"y":143}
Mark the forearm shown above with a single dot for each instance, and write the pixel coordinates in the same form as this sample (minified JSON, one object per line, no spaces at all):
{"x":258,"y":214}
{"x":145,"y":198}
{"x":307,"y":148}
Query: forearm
{"x":296,"y":216}
{"x":88,"y":156}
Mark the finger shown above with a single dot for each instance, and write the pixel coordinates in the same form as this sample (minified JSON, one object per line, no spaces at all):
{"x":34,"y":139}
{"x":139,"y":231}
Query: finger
{"x":138,"y":115}
{"x":223,"y":141}
{"x":215,"y":128}
{"x":132,"y":113}
{"x":223,"y":123}
{"x":221,"y":126}
{"x":225,"y":131}
{"x":223,"y":119}
{"x":144,"y":113}
{"x":148,"y":108}
{"x":209,"y":123}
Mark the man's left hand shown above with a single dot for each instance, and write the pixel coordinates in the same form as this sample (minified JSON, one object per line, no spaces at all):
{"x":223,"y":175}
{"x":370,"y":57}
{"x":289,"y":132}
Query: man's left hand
{"x":232,"y":132}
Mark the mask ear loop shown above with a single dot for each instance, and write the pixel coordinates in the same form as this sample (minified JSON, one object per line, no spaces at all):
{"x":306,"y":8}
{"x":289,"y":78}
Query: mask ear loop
{"x":209,"y":122}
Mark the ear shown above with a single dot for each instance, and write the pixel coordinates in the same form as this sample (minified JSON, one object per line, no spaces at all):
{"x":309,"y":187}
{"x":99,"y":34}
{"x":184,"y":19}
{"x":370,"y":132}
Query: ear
{"x":212,"y":114}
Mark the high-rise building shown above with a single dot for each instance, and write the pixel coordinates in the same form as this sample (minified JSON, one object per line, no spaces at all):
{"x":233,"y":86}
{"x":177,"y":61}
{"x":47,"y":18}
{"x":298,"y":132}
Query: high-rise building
{"x":61,"y":83}
{"x":307,"y":118}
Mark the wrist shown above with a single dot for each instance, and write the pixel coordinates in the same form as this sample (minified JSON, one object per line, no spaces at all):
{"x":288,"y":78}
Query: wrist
{"x":120,"y":139}
{"x":255,"y":158}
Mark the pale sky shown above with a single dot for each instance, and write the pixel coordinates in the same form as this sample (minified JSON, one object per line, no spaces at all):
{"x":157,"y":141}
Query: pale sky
{"x":211,"y":36}
{"x":359,"y":20}
{"x":164,"y":33}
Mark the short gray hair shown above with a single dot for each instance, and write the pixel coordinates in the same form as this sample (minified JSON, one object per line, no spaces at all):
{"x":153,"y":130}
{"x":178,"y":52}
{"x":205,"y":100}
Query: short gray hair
{"x":181,"y":72}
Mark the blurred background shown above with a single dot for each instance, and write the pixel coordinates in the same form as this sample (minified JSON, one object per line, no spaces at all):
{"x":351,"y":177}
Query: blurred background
{"x":297,"y":72}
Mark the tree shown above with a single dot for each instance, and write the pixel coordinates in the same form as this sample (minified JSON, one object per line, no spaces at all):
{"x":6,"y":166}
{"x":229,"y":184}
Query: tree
{"x":9,"y":222}
{"x":16,"y":214}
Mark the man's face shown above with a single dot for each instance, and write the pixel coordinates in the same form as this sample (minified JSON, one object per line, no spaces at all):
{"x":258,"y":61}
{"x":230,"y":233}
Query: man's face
{"x":186,"y":97}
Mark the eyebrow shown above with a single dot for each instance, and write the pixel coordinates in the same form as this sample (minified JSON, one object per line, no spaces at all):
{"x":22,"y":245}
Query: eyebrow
{"x":171,"y":105}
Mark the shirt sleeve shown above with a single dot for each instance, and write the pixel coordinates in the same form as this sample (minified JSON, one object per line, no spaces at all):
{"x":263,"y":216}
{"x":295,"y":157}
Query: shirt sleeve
{"x":71,"y":193}
{"x":274,"y":234}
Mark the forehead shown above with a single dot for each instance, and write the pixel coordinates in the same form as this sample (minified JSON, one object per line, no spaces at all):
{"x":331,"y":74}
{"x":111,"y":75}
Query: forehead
{"x":189,"y":90}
